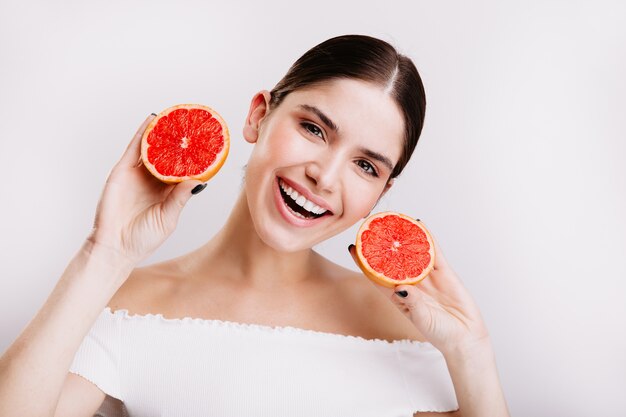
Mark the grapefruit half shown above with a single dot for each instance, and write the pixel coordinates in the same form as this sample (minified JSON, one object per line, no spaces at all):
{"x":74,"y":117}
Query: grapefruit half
{"x":394,"y":249}
{"x":186,"y":141}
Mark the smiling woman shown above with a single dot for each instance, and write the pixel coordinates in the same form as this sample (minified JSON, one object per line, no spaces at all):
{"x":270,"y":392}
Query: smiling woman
{"x":324,"y":156}
{"x":254,"y":322}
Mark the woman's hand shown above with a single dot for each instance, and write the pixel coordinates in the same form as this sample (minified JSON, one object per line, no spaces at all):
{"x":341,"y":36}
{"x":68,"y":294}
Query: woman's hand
{"x":137,"y":212}
{"x":440,"y":308}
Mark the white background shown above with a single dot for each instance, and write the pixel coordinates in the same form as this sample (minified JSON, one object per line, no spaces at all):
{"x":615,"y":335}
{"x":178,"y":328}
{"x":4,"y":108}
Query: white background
{"x":520,"y":171}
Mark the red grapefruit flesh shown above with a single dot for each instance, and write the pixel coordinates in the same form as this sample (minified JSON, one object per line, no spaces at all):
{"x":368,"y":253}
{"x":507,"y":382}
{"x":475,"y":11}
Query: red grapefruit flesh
{"x":394,"y":249}
{"x":187,"y":141}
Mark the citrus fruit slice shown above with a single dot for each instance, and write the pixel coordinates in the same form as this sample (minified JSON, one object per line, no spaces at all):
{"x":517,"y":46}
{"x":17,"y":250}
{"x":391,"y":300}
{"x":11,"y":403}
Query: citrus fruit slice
{"x":394,"y":249}
{"x":187,"y":141}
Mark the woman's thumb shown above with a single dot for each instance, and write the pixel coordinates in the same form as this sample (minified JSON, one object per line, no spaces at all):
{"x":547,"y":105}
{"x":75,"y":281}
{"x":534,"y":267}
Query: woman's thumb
{"x":178,"y":197}
{"x":414,"y":300}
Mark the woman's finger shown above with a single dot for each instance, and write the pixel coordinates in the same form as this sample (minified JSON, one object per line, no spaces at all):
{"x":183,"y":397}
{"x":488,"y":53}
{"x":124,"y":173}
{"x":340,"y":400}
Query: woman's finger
{"x":132,"y":154}
{"x":417,"y":306}
{"x":176,"y":200}
{"x":352,"y":250}
{"x":429,"y":285}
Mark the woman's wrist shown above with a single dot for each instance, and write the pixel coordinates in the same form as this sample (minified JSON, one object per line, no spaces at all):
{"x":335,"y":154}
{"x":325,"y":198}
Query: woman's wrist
{"x":108,"y":254}
{"x":472,"y":361}
{"x":470,"y":351}
{"x":105,"y":263}
{"x":474,"y":374}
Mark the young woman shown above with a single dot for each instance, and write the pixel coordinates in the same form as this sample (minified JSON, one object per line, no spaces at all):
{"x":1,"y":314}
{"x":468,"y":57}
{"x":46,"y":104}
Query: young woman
{"x":254,"y":322}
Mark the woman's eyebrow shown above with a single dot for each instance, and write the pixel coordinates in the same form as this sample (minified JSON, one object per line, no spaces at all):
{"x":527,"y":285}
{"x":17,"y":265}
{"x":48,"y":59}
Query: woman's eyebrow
{"x":325,"y":119}
{"x":378,"y":157}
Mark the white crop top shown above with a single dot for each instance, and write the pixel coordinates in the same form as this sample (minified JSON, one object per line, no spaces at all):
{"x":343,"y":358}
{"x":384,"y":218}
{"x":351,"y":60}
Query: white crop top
{"x":198,"y":367}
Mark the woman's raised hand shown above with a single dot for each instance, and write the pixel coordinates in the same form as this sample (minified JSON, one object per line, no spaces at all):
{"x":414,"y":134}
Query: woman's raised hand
{"x":440,"y":308}
{"x":137,"y":212}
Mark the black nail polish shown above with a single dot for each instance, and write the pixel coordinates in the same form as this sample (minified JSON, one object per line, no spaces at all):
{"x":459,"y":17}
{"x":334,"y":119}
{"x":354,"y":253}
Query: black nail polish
{"x":154,"y":114}
{"x":402,"y":294}
{"x":198,"y":188}
{"x":350,"y":246}
{"x":418,"y":220}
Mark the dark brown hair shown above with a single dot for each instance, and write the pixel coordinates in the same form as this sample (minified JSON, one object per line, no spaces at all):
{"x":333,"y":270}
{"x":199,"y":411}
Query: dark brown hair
{"x":368,"y":59}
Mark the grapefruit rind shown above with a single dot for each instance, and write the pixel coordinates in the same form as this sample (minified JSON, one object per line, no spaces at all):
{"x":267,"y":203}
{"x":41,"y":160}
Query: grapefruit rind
{"x":220,"y":158}
{"x":379,"y":278}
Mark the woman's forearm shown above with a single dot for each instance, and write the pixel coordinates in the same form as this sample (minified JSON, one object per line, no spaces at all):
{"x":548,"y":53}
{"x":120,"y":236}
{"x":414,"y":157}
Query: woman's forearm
{"x":476,"y":382}
{"x":34,"y":367}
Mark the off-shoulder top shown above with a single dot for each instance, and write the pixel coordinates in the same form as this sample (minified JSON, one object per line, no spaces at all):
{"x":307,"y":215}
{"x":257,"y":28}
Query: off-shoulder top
{"x":198,"y":367}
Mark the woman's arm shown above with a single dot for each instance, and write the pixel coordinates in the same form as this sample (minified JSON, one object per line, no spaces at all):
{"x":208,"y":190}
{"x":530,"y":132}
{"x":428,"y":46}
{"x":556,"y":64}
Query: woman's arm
{"x":476,"y":382}
{"x":444,"y":312}
{"x":34,"y":367}
{"x":135,"y":214}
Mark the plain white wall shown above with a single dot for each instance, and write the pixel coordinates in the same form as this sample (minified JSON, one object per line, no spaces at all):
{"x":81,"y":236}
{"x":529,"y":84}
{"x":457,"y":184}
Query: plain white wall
{"x":520,"y":171}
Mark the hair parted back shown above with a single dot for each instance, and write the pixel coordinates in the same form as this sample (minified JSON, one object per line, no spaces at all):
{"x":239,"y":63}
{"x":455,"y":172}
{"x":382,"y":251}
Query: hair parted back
{"x":364,"y":58}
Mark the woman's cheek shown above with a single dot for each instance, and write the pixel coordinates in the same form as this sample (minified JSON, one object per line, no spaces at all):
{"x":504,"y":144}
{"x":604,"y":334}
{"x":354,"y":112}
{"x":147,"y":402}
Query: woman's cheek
{"x":287,"y":145}
{"x":295,"y":145}
{"x":360,"y":196}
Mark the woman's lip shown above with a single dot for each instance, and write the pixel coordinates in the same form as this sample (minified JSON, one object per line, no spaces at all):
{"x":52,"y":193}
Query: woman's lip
{"x":288,"y":215}
{"x":307,"y":194}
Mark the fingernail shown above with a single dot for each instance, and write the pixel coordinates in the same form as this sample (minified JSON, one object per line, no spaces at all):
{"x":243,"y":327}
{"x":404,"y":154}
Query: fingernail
{"x":154,"y":114}
{"x":418,"y":220}
{"x":402,"y":294}
{"x":198,"y":188}
{"x":350,"y":247}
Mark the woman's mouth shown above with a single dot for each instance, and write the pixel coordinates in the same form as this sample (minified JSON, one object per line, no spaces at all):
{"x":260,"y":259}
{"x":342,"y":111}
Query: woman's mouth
{"x":296,"y":208}
{"x":298,"y":203}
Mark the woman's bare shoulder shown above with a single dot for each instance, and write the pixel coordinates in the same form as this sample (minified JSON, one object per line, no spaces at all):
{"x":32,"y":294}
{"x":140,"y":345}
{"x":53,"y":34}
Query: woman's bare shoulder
{"x":140,"y":293}
{"x":371,"y":305}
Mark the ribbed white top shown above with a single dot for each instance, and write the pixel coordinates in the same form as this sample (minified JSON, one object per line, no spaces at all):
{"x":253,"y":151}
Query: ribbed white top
{"x":198,"y":367}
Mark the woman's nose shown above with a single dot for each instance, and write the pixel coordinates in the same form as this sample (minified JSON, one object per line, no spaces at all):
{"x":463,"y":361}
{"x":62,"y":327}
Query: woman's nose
{"x":324,"y":172}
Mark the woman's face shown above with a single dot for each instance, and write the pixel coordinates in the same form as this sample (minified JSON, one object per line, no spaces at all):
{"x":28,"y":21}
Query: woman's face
{"x":321,"y":160}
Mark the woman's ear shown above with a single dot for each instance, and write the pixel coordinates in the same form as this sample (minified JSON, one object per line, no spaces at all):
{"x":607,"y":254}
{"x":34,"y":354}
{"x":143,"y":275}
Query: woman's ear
{"x":259,"y":108}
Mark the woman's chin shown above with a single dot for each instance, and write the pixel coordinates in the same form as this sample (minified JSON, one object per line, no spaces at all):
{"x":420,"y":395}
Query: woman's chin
{"x":283,"y":243}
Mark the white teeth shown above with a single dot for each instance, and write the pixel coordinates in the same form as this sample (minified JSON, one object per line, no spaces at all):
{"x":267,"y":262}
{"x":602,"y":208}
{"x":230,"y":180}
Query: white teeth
{"x":297,"y":214}
{"x":301,"y":200}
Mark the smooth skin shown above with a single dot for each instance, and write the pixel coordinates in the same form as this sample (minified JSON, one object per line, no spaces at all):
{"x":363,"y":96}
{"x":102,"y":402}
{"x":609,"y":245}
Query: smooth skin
{"x":259,"y":268}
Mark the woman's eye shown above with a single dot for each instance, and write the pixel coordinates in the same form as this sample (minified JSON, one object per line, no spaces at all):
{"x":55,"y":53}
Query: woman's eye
{"x":367,"y":168}
{"x":311,"y":128}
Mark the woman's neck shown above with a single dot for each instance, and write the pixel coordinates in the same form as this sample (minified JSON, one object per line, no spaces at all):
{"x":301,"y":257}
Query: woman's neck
{"x":237,"y":251}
